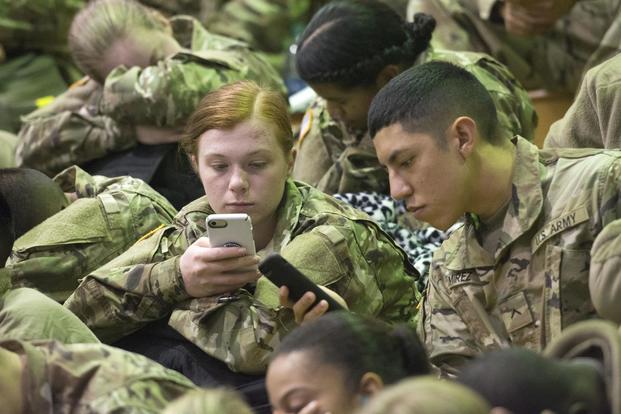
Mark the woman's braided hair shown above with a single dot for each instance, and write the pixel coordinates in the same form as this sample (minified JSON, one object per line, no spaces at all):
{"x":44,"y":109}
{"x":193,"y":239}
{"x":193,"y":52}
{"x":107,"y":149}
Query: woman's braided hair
{"x":350,"y":42}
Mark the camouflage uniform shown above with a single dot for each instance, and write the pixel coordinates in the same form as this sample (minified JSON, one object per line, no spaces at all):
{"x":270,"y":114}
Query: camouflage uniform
{"x":589,"y":34}
{"x":332,"y":243}
{"x":592,"y":121}
{"x":536,"y":282}
{"x":604,"y":280}
{"x":93,"y":378}
{"x":598,"y":340}
{"x":336,"y":160}
{"x":33,"y":35}
{"x":89,"y":121}
{"x":26,"y":314}
{"x":8,"y":142}
{"x":108,"y":217}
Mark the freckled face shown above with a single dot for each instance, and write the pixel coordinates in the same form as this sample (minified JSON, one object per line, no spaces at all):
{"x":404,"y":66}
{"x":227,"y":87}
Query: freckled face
{"x":243,"y":170}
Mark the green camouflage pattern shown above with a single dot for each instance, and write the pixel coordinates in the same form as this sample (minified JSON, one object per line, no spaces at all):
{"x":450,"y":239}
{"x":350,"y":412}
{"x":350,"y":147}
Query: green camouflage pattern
{"x":8,"y":142}
{"x":333,"y":244}
{"x":90,"y":121}
{"x":536,"y":283}
{"x":93,"y":378}
{"x":593,"y":120}
{"x":337,"y":160}
{"x":589,"y":34}
{"x":109,"y":216}
{"x":27,"y":314}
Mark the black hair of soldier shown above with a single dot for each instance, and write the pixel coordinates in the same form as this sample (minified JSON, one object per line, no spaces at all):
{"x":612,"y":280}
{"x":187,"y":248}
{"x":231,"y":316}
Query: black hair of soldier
{"x":525,"y":382}
{"x":349,"y":42}
{"x":358,"y":345}
{"x":429,"y":97}
{"x":28,"y":197}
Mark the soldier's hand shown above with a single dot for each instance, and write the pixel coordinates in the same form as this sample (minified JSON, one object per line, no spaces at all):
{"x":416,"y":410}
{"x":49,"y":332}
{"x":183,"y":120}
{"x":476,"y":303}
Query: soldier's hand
{"x":209,"y":271}
{"x":150,"y":135}
{"x":524,"y":18}
{"x":303,"y":310}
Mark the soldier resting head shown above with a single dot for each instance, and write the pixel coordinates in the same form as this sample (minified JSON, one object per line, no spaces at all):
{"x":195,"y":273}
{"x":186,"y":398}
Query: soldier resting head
{"x":349,"y":50}
{"x":337,"y":362}
{"x":110,"y":33}
{"x":524,"y":382}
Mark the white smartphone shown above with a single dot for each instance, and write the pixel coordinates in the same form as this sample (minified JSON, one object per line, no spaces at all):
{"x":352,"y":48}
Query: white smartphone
{"x":231,"y":230}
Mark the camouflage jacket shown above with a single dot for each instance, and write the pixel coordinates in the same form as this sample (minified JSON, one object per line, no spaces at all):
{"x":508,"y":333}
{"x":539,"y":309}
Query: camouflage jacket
{"x":556,"y":60}
{"x":332,"y":243}
{"x":90,"y":121}
{"x":109,"y":215}
{"x":93,"y":378}
{"x":8,"y":142}
{"x":336,"y":160}
{"x":592,"y":121}
{"x":536,"y":283}
{"x":28,"y":315}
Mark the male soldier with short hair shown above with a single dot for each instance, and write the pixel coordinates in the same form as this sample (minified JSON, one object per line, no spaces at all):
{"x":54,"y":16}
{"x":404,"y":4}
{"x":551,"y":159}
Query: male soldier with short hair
{"x":516,"y":272}
{"x":546,"y":44}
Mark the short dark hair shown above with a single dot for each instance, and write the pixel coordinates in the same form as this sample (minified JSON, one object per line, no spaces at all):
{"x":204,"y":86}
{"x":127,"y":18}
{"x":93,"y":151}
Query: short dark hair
{"x":21,"y":187}
{"x":428,"y":98}
{"x":358,"y":345}
{"x":525,"y":382}
{"x":350,"y":42}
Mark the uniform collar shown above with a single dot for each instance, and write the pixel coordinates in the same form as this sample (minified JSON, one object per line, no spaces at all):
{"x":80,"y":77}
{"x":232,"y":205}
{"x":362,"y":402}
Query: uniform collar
{"x":75,"y":179}
{"x":524,"y":209}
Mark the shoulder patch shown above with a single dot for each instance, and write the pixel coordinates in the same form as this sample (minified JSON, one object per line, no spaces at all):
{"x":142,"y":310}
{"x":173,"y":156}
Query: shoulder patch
{"x":79,"y":82}
{"x":151,"y":233}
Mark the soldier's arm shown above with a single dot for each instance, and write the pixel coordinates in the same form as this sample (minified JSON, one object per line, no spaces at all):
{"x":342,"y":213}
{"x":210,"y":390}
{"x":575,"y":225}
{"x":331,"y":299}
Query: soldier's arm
{"x":445,"y":335}
{"x":142,"y":285}
{"x":70,"y":131}
{"x":162,"y":95}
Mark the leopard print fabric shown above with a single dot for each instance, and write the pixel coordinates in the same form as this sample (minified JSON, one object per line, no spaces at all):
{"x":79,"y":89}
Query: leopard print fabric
{"x":418,"y":244}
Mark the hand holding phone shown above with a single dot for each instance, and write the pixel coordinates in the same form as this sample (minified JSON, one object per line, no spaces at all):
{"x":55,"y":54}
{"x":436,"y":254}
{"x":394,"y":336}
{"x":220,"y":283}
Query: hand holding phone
{"x":282,"y":273}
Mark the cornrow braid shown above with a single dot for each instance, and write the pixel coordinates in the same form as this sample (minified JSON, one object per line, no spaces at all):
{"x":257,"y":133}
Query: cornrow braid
{"x":349,"y":43}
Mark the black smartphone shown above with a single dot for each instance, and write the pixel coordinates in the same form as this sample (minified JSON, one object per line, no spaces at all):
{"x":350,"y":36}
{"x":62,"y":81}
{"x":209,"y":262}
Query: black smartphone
{"x":283,"y":273}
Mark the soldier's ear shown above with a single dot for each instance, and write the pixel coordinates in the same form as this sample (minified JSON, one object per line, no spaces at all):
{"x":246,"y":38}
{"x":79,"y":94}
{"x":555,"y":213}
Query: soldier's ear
{"x":386,"y":74}
{"x":370,"y":384}
{"x":463,"y":132}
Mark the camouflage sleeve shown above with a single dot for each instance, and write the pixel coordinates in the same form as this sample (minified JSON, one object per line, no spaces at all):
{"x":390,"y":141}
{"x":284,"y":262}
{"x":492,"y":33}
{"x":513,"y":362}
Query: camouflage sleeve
{"x":334,"y":161}
{"x":140,"y":286}
{"x":515,"y":110}
{"x":70,"y":131}
{"x":609,"y":196}
{"x":445,"y":334}
{"x":592,"y":120}
{"x":163,"y":95}
{"x":264,"y":24}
